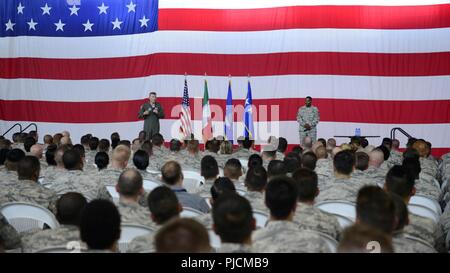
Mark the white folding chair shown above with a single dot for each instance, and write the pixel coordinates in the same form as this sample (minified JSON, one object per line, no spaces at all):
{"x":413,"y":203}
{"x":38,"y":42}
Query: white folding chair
{"x":214,"y":239}
{"x":71,"y":247}
{"x":190,"y":213}
{"x":331,"y":243}
{"x":208,"y":201}
{"x":426,"y":202}
{"x":129,"y":232}
{"x":423,"y":211}
{"x":241,"y":192}
{"x":343,"y":208}
{"x":149,"y":185}
{"x":261,"y":218}
{"x":155,"y":172}
{"x":344,"y":221}
{"x":114,"y":194}
{"x":26,"y":216}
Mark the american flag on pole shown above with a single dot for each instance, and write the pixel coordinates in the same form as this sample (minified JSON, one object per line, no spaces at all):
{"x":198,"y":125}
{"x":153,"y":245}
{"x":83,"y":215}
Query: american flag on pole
{"x":88,"y":65}
{"x":185,"y":116}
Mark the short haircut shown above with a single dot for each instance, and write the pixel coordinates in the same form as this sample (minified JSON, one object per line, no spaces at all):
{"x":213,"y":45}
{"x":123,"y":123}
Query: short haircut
{"x":375,"y":208}
{"x":125,"y":142}
{"x":361,"y":161}
{"x":192,"y":146}
{"x":171,"y":172}
{"x":141,"y":159}
{"x":14,"y":156}
{"x":256,"y":178}
{"x":163,"y":204}
{"x":93,"y":143}
{"x":130,"y":183}
{"x":276,"y":167}
{"x":121,"y":153}
{"x":71,"y":159}
{"x":182,"y":235}
{"x":50,"y":155}
{"x":28,"y":142}
{"x":307,"y":184}
{"x":292,"y":162}
{"x":309,"y":160}
{"x":152,"y":93}
{"x":213,"y":145}
{"x":100,"y":224}
{"x":308,"y":97}
{"x":359,"y":238}
{"x":175,"y":145}
{"x":147,"y":146}
{"x":103,"y":145}
{"x":412,"y":166}
{"x":157,"y":139}
{"x":386,"y":152}
{"x":323,"y":141}
{"x":247,"y":143}
{"x":85,"y":139}
{"x":233,"y":168}
{"x":399,"y":181}
{"x":209,"y":167}
{"x":282,"y":144}
{"x":101,"y":160}
{"x":321,"y":152}
{"x":401,"y":211}
{"x":281,"y":197}
{"x":254,"y":160}
{"x":115,"y":136}
{"x":387,"y":142}
{"x":80,"y":149}
{"x":226,"y":147}
{"x":28,"y":167}
{"x":364,"y":142}
{"x":69,"y":208}
{"x":343,"y":162}
{"x":233,"y":218}
{"x":222,"y":185}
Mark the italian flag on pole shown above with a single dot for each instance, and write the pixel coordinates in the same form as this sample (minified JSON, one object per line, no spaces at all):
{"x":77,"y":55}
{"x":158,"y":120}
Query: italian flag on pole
{"x":206,"y":121}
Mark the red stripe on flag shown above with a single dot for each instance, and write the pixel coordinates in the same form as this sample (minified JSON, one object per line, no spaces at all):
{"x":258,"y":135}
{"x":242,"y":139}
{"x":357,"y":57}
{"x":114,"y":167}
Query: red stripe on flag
{"x":334,"y":110}
{"x":314,"y":63}
{"x":355,"y":17}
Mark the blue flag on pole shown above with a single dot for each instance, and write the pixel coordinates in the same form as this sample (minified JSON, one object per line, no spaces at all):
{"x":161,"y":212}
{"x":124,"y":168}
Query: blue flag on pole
{"x":248,"y":115}
{"x":229,"y":115}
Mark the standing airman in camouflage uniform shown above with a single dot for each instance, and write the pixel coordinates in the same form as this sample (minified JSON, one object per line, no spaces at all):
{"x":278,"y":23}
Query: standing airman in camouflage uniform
{"x":308,"y":117}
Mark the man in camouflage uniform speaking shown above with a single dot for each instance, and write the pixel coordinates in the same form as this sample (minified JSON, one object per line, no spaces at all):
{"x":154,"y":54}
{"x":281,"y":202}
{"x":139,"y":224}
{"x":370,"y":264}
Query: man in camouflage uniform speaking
{"x":308,"y":117}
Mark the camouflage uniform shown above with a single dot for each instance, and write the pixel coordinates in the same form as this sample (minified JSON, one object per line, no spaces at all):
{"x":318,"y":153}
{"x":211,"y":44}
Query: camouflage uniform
{"x":324,"y":168}
{"x":402,"y":243}
{"x":427,"y":189}
{"x":160,"y":151}
{"x":339,"y":190}
{"x":425,"y":229}
{"x":377,"y":175}
{"x":57,"y":237}
{"x":51,"y":174}
{"x":78,"y":181}
{"x":8,"y":235}
{"x":205,"y":188}
{"x":286,"y":237}
{"x":311,"y":116}
{"x":279,"y":155}
{"x":256,"y":200}
{"x":310,"y":217}
{"x":133,"y":213}
{"x":144,"y":243}
{"x":429,"y":166}
{"x":8,"y":177}
{"x":110,"y":176}
{"x":395,"y":158}
{"x":234,"y":248}
{"x":243,"y":153}
{"x":30,"y":192}
{"x":444,"y":221}
{"x":206,"y":220}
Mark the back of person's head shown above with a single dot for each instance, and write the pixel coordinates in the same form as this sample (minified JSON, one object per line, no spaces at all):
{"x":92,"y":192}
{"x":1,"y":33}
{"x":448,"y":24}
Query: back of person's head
{"x":100,"y":225}
{"x":130,"y":183}
{"x":226,"y":148}
{"x":13,"y":157}
{"x":72,"y":160}
{"x":157,"y":139}
{"x":222,"y":185}
{"x":147,"y":146}
{"x":57,"y":138}
{"x":192,"y":146}
{"x":93,"y":143}
{"x":361,"y":161}
{"x":411,"y":153}
{"x":386,"y":152}
{"x":80,"y":149}
{"x":421,"y":147}
{"x":292,"y":162}
{"x":364,"y":142}
{"x":59,"y":154}
{"x":50,"y":154}
{"x":101,"y":160}
{"x":233,"y":218}
{"x":254,"y":160}
{"x":28,"y":142}
{"x":233,"y":169}
{"x":141,"y":160}
{"x":29,"y":168}
{"x":281,"y":197}
{"x":282,"y":144}
{"x":321,"y":152}
{"x":307,"y":142}
{"x":256,"y":178}
{"x":103,"y":145}
{"x":307,"y":184}
{"x":410,"y":142}
{"x":361,"y":238}
{"x":395,"y":144}
{"x":387,"y":142}
{"x":276,"y":167}
{"x":5,"y":144}
{"x":400,"y":182}
{"x":115,"y":137}
{"x":401,"y":212}
{"x":183,"y":235}
{"x":171,"y":173}
{"x":247,"y":143}
{"x":175,"y":145}
{"x":121,"y":154}
{"x":85,"y":140}
{"x":3,"y":153}
{"x":15,"y":137}
{"x":208,"y":167}
{"x":412,"y":165}
{"x":163,"y":204}
{"x":213,"y":145}
{"x":69,"y":208}
{"x":309,"y":160}
{"x":343,"y":162}
{"x":323,"y":141}
{"x":375,"y":208}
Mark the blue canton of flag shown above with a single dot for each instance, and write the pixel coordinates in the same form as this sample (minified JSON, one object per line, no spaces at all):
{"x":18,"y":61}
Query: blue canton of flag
{"x":229,"y":115}
{"x":77,"y":18}
{"x":248,"y":115}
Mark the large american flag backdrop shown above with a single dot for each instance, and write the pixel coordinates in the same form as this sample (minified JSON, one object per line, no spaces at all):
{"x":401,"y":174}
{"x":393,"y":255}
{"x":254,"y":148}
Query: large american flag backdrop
{"x":87,"y":65}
